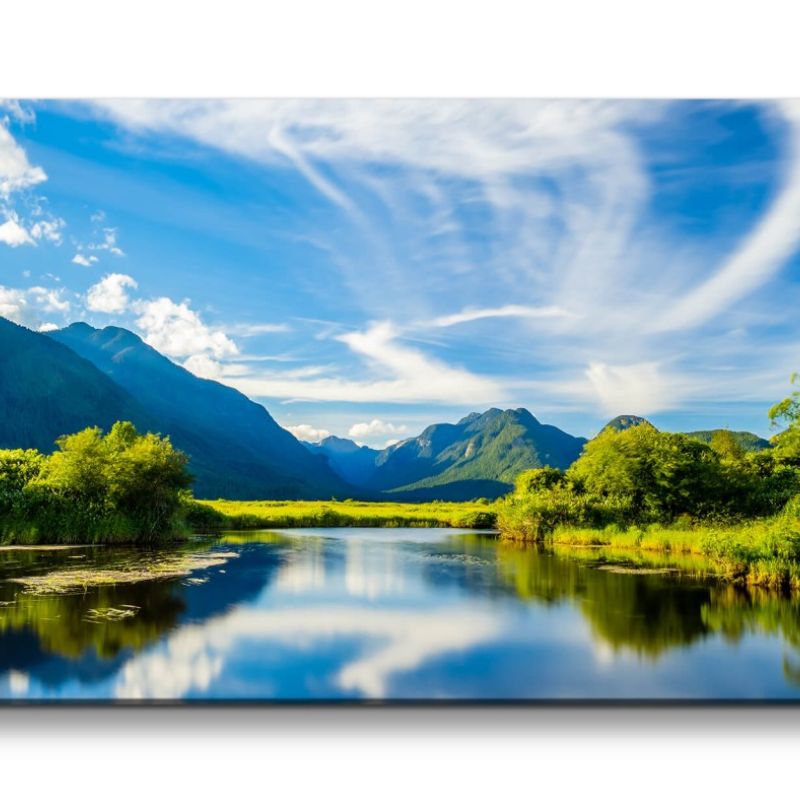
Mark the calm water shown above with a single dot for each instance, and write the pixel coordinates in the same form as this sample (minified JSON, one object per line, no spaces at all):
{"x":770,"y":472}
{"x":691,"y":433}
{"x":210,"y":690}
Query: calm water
{"x":399,"y":614}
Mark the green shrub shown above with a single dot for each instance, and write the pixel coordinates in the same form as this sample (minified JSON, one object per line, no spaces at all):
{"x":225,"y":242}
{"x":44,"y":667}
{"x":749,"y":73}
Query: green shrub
{"x":121,"y":487}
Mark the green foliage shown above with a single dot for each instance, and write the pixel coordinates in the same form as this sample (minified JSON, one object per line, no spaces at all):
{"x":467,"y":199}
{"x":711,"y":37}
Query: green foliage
{"x":17,"y":469}
{"x":535,"y":480}
{"x":787,"y":412}
{"x":123,"y":486}
{"x":727,"y":446}
{"x":659,"y":475}
{"x":704,"y":496}
{"x":636,"y":475}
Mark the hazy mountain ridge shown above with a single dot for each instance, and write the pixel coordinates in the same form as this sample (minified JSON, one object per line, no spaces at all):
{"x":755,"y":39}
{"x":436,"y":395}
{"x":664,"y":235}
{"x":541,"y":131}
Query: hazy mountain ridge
{"x":353,"y":462}
{"x":749,"y":442}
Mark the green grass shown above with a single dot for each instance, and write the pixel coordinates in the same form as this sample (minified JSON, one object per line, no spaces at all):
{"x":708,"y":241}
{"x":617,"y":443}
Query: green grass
{"x":764,"y":552}
{"x":77,"y":525}
{"x":251,"y":514}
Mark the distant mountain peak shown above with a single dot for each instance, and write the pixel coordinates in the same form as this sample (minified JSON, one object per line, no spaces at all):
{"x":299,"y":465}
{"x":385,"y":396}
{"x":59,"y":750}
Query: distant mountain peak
{"x":495,"y":413}
{"x":625,"y":421}
{"x":479,"y":456}
{"x":351,"y":461}
{"x":80,"y":327}
{"x":341,"y":444}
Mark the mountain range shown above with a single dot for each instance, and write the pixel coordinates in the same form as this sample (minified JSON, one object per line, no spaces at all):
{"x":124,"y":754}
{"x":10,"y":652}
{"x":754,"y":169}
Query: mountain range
{"x":479,"y":456}
{"x":65,"y":380}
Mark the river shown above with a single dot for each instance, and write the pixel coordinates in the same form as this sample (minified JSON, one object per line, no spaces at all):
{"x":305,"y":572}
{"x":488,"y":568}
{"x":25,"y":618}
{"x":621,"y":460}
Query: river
{"x":382,"y":614}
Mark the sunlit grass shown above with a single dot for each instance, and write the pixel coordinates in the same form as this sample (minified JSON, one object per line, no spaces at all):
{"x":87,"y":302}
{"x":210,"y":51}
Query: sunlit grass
{"x":248,"y":515}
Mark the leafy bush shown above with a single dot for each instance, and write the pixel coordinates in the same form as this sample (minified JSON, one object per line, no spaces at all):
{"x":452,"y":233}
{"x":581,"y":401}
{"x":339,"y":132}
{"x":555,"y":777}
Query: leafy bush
{"x":123,"y":486}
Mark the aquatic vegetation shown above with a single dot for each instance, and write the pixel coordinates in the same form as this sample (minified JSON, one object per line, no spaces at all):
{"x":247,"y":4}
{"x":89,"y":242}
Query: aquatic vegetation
{"x":97,"y":615}
{"x":139,"y":567}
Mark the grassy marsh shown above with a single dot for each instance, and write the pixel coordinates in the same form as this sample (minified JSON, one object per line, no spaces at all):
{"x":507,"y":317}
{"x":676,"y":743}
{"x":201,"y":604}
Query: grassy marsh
{"x":253,"y":514}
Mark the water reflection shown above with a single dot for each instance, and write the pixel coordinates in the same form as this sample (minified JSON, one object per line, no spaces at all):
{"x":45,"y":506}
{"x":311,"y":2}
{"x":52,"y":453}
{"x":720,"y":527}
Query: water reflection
{"x":339,"y":614}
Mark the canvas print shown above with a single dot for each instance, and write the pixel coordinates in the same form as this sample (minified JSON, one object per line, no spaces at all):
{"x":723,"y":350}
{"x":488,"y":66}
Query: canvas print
{"x":399,"y":400}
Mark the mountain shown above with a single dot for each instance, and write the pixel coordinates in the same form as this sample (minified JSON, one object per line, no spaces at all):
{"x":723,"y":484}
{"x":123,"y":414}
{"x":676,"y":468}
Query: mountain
{"x":749,"y":442}
{"x":353,"y":462}
{"x":237,"y":449}
{"x":477,"y":457}
{"x":47,"y":390}
{"x":625,"y":421}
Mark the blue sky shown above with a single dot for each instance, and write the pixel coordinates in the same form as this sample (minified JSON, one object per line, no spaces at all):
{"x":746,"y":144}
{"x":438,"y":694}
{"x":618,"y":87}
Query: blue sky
{"x":369,"y":267}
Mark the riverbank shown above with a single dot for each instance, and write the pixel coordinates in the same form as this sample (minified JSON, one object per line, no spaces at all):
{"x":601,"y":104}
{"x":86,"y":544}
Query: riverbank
{"x":764,"y":552}
{"x":254,"y":514}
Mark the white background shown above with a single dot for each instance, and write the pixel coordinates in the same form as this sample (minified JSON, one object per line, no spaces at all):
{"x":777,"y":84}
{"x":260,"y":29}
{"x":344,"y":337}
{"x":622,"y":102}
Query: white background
{"x":346,"y":48}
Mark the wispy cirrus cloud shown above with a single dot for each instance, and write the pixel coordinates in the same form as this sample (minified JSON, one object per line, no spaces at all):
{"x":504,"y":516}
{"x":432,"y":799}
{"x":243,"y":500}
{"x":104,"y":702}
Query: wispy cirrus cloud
{"x":763,"y":251}
{"x":521,"y":312}
{"x":396,"y":373}
{"x":444,"y":211}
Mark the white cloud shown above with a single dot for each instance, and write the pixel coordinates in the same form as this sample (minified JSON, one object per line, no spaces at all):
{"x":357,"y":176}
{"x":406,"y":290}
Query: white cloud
{"x":410,"y":376}
{"x":48,"y":230}
{"x":84,"y":261}
{"x":27,"y":306}
{"x":374,"y":429}
{"x":17,"y":111}
{"x":109,"y":295}
{"x":308,"y":433}
{"x":50,"y":300}
{"x":47,"y":326}
{"x":13,"y":234}
{"x":176,"y":330}
{"x":473,"y":314}
{"x":204,"y":366}
{"x":457,"y":137}
{"x":16,"y":172}
{"x":13,"y":304}
{"x":635,"y":388}
{"x":108,"y":242}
